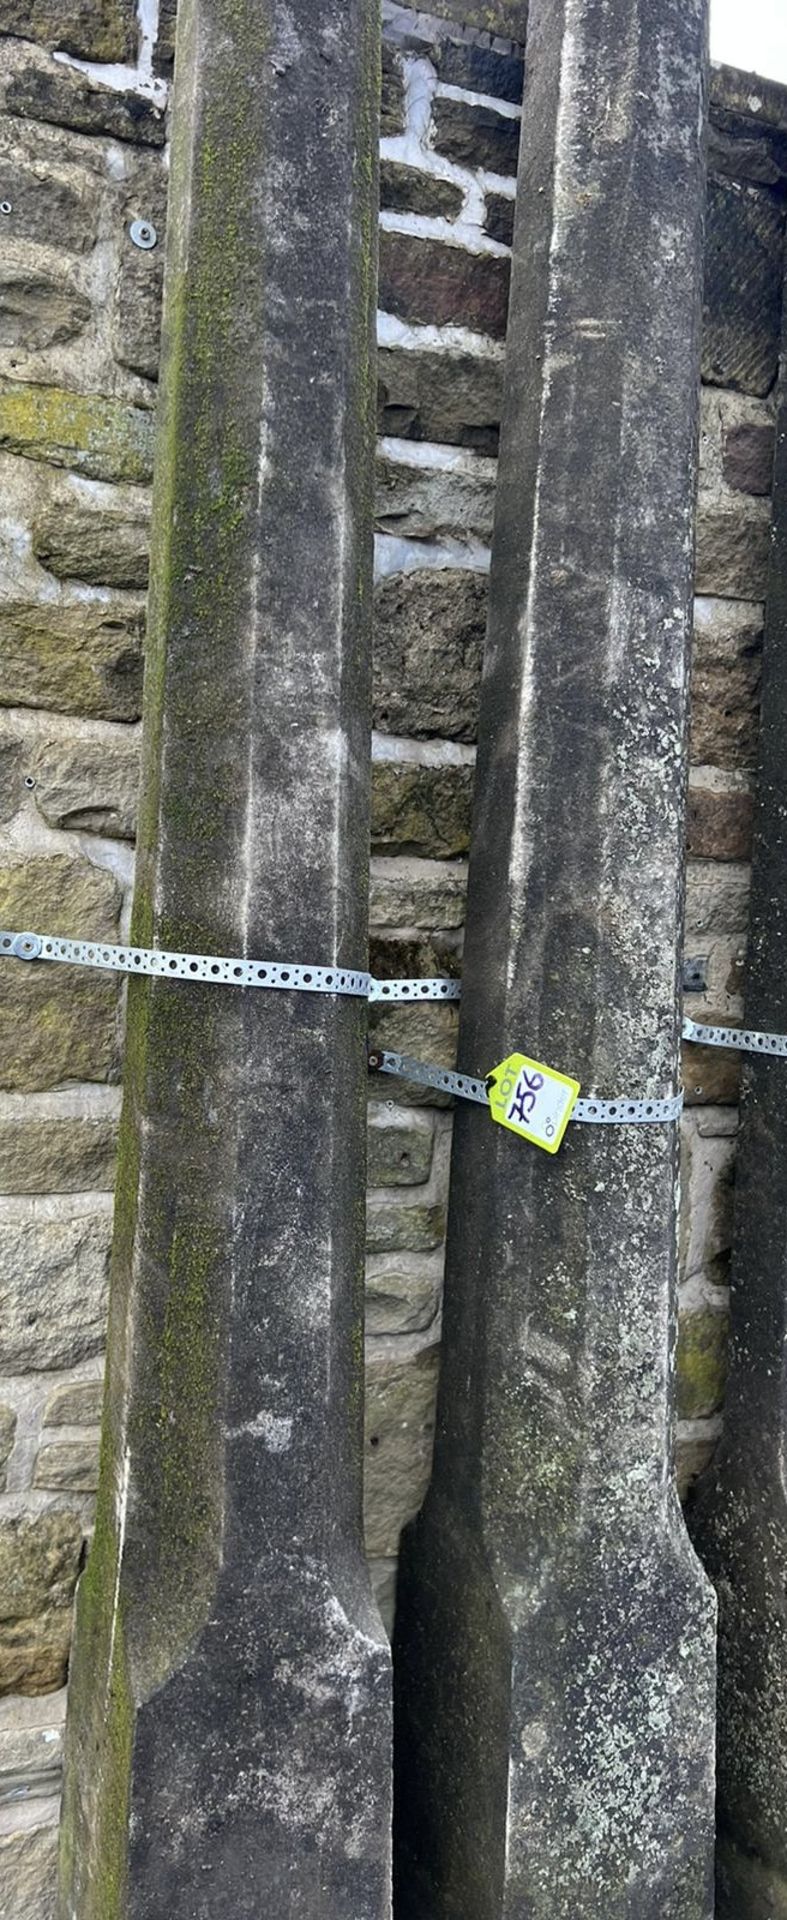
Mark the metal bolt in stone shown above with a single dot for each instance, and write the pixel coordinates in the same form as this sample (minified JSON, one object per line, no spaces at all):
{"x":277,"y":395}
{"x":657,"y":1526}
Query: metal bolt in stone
{"x":143,"y":234}
{"x":5,"y":206}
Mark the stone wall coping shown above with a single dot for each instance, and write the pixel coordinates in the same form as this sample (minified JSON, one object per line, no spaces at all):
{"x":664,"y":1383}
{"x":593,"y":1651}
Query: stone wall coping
{"x":750,"y":99}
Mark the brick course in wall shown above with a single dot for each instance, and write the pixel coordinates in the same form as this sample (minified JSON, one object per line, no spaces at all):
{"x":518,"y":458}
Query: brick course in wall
{"x":79,"y":308}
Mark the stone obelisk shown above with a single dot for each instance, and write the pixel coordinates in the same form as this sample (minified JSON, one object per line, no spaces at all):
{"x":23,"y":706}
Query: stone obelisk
{"x":740,"y":1517}
{"x":555,"y":1641}
{"x":228,"y":1748}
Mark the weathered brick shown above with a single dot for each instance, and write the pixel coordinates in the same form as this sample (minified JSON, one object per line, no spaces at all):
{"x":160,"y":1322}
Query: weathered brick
{"x":39,"y":1563}
{"x":392,"y":95}
{"x":104,"y":30}
{"x":504,"y":18}
{"x":31,"y":1748}
{"x":432,"y":503}
{"x":412,"y":955}
{"x":399,"y":1148}
{"x":417,"y":893}
{"x":732,"y":549}
{"x":725,"y":683}
{"x":747,"y":456}
{"x":86,"y":776}
{"x":701,"y":1365}
{"x":94,"y":436}
{"x":408,"y":190}
{"x":164,"y":51}
{"x":421,"y":809}
{"x":85,"y":658}
{"x":719,"y":824}
{"x":425,"y":280}
{"x":757,"y":157}
{"x":78,"y":1404}
{"x":39,"y":306}
{"x":480,"y":69}
{"x":744,"y":247}
{"x":450,"y":397}
{"x":12,"y":772}
{"x":68,"y":1466}
{"x":717,"y":897}
{"x":136,"y":314}
{"x":54,"y":1277}
{"x":57,"y":1023}
{"x":7,"y":1433}
{"x":428,"y":1030}
{"x":44,"y":1153}
{"x":710,"y":1076}
{"x":693,"y":1453}
{"x":706,"y":1201}
{"x":475,"y":136}
{"x":428,"y":642}
{"x":392,"y":1228}
{"x":36,"y":87}
{"x":55,"y":200}
{"x":106,"y":545}
{"x":28,"y":1862}
{"x":55,"y":1028}
{"x":400,"y":1405}
{"x":499,"y":217}
{"x":402,"y":1293}
{"x":60,"y":892}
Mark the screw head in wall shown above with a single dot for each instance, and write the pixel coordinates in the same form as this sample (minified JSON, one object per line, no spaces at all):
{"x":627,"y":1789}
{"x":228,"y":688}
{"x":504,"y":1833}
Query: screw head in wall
{"x":143,"y":234}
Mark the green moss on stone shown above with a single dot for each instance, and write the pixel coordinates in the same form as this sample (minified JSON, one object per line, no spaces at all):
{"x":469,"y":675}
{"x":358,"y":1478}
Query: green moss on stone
{"x":701,"y":1362}
{"x":101,"y":1721}
{"x":83,"y":431}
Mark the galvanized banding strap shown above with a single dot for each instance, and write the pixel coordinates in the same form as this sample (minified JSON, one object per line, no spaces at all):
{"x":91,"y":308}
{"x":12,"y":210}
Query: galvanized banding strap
{"x":221,"y":970}
{"x":745,"y":1039}
{"x":231,"y":971}
{"x":597,"y":1113}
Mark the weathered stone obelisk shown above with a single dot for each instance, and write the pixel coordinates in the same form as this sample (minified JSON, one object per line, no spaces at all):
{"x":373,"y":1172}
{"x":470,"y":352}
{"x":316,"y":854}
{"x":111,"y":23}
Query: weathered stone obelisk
{"x":740,"y":1518}
{"x":229,"y":1737}
{"x":555,"y":1639}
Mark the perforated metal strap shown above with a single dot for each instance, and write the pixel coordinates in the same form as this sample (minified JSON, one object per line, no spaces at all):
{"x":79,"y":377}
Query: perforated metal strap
{"x":597,"y":1113}
{"x":221,"y":970}
{"x":744,"y":1038}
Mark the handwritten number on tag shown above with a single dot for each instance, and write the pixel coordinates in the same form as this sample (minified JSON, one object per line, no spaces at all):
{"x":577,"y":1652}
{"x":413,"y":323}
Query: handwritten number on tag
{"x":532,"y":1099}
{"x":524,"y":1099}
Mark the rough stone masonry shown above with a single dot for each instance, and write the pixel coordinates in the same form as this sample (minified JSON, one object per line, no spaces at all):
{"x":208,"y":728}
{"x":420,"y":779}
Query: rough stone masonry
{"x":81,"y":155}
{"x":739,"y":1519}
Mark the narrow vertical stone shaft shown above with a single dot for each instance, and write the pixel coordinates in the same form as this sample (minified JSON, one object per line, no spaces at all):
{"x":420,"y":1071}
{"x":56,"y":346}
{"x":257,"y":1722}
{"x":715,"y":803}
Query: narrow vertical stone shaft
{"x":555,"y":1639}
{"x":740,"y":1517}
{"x":228,"y":1738}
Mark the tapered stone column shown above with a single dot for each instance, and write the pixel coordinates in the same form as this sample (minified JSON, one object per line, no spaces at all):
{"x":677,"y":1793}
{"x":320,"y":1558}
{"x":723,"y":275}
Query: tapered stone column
{"x":740,"y":1516}
{"x":555,"y":1638}
{"x":228,"y":1735}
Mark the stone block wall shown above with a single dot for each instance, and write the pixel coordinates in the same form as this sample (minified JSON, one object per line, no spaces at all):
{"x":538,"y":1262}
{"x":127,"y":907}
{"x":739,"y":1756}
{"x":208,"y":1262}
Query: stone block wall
{"x":82,"y":156}
{"x":744,"y":276}
{"x":82,"y":138}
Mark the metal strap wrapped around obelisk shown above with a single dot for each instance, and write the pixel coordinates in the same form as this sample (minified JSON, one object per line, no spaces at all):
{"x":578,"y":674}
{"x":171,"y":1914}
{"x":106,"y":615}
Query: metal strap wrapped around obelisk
{"x":228,"y":1742}
{"x":554,"y":1652}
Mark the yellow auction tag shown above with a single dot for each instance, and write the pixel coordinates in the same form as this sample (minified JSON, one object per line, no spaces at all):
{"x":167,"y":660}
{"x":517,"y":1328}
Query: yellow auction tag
{"x":532,"y":1100}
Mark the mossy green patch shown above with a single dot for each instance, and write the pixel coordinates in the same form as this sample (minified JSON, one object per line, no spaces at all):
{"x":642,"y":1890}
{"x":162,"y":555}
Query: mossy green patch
{"x":83,"y":431}
{"x":701,"y":1362}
